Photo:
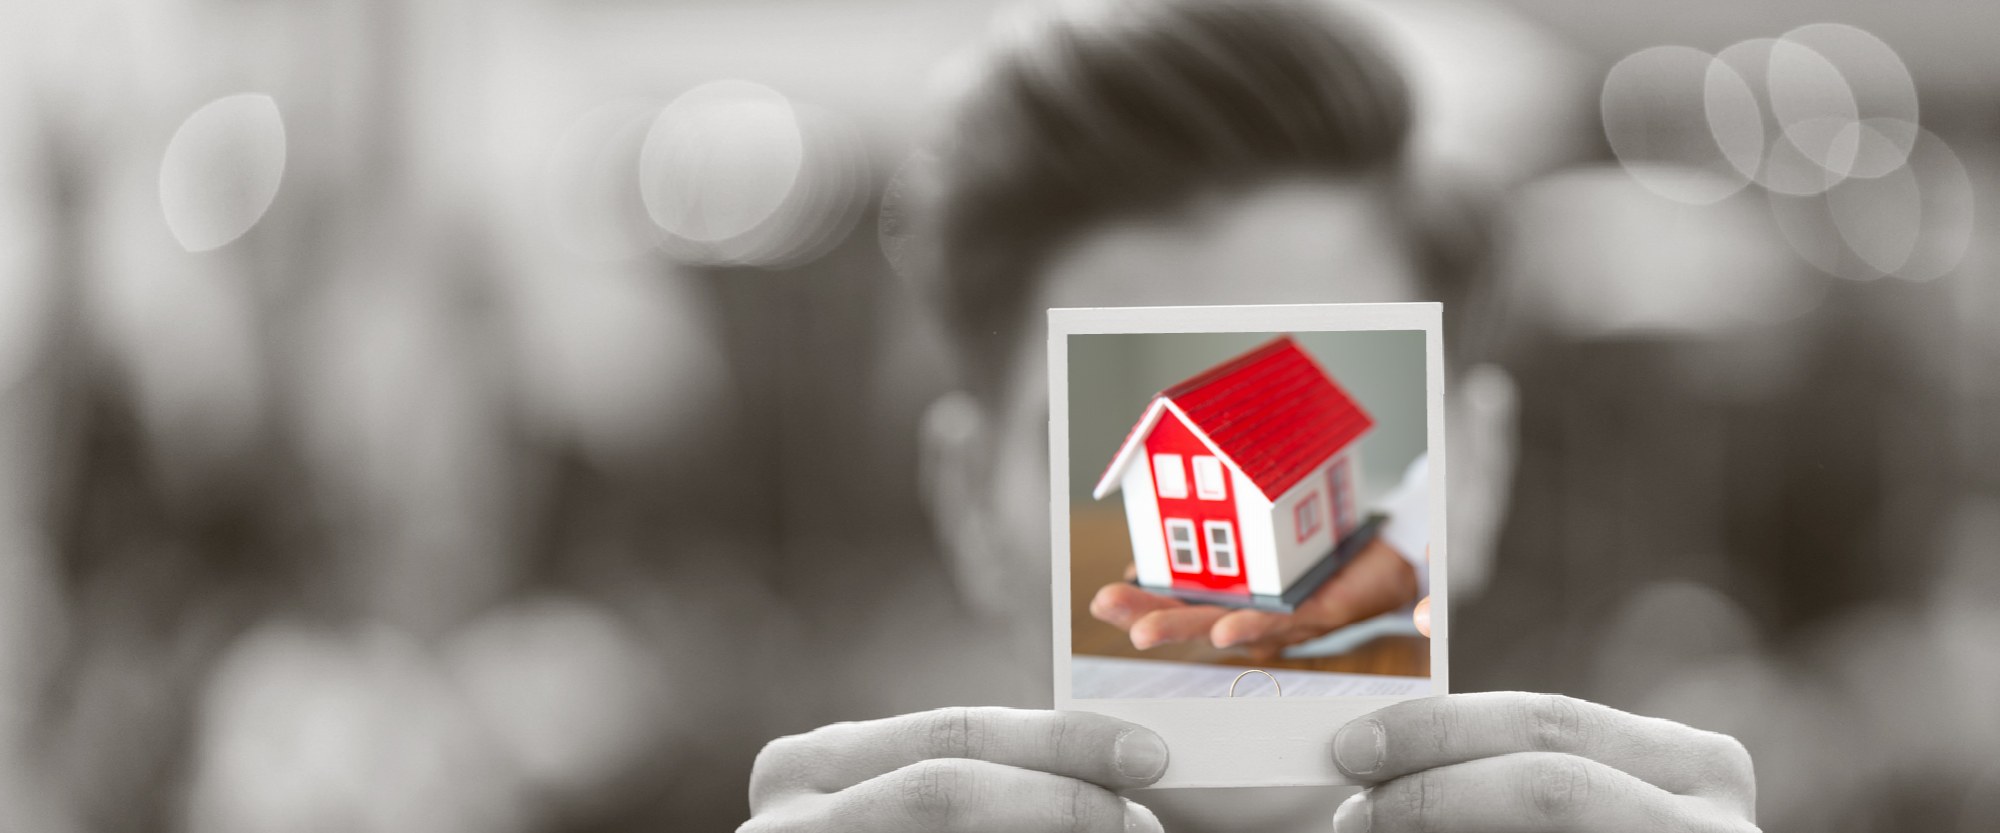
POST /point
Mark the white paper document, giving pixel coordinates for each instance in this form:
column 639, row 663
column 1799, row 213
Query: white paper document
column 1114, row 678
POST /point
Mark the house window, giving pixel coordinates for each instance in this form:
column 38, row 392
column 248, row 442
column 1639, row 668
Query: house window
column 1169, row 478
column 1180, row 541
column 1208, row 478
column 1305, row 516
column 1221, row 548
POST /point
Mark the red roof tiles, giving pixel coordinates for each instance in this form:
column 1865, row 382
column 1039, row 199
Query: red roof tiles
column 1273, row 412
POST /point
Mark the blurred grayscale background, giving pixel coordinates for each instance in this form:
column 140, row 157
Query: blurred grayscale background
column 440, row 416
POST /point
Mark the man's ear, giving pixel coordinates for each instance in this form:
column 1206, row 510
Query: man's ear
column 1484, row 444
column 953, row 483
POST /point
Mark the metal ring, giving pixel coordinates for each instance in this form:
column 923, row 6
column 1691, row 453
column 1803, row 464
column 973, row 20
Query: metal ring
column 1239, row 678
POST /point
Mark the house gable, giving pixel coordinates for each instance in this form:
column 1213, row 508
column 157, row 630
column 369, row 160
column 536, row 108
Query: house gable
column 1135, row 443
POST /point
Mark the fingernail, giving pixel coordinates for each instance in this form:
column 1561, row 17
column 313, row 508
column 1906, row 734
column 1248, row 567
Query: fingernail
column 1423, row 619
column 1138, row 819
column 1354, row 815
column 1139, row 754
column 1359, row 747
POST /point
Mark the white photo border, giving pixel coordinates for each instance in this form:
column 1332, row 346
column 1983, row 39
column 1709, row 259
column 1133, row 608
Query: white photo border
column 1262, row 741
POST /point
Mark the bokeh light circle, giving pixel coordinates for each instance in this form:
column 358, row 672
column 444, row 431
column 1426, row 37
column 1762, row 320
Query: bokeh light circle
column 1878, row 220
column 1734, row 116
column 735, row 174
column 1813, row 105
column 828, row 202
column 1949, row 211
column 1780, row 164
column 1915, row 222
column 221, row 170
column 719, row 160
column 1884, row 128
column 1659, row 116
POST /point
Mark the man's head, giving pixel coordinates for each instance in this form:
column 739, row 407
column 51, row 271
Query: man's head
column 1136, row 110
column 1145, row 152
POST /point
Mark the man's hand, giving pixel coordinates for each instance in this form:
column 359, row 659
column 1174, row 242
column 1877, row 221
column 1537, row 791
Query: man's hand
column 958, row 769
column 1377, row 581
column 1508, row 761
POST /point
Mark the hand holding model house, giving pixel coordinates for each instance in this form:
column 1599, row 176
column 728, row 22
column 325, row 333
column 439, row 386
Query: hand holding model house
column 1240, row 489
column 1377, row 581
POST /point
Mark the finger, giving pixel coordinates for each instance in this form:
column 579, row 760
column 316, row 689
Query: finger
column 1529, row 792
column 1122, row 604
column 1421, row 617
column 1179, row 624
column 1431, row 732
column 1239, row 627
column 945, row 795
column 1091, row 747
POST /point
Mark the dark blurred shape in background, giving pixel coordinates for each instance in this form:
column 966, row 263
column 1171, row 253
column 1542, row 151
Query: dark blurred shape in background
column 497, row 416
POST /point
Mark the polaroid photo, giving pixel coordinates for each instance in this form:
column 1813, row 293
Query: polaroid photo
column 1238, row 457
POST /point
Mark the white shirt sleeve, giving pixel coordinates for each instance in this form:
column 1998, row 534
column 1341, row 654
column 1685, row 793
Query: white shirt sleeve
column 1408, row 529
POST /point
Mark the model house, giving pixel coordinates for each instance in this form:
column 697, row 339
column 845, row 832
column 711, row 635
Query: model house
column 1240, row 482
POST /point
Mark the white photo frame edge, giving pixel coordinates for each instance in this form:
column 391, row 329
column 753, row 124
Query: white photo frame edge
column 1252, row 741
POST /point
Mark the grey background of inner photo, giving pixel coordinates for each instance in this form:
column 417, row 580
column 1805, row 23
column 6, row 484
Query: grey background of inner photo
column 1112, row 378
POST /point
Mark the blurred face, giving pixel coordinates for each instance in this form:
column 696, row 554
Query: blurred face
column 1297, row 241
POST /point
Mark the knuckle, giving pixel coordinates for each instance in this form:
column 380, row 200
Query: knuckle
column 948, row 733
column 932, row 792
column 1069, row 810
column 1430, row 803
column 1557, row 788
column 1416, row 802
column 1444, row 727
column 1556, row 724
column 1061, row 738
column 1080, row 808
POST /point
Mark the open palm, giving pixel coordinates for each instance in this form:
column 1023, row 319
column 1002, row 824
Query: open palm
column 1377, row 581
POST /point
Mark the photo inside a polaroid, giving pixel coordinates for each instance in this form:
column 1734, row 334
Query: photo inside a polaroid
column 1242, row 471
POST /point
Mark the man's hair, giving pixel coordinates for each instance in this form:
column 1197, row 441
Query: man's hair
column 1133, row 108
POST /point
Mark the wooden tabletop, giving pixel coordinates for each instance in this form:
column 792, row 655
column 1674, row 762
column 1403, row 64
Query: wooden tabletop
column 1100, row 550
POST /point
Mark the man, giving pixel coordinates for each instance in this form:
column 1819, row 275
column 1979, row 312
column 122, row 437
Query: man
column 1177, row 152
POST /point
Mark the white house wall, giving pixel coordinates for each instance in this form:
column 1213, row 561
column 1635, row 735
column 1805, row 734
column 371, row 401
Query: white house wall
column 1142, row 515
column 1253, row 529
column 1295, row 557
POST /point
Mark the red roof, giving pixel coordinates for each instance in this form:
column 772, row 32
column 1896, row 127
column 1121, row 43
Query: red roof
column 1273, row 411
